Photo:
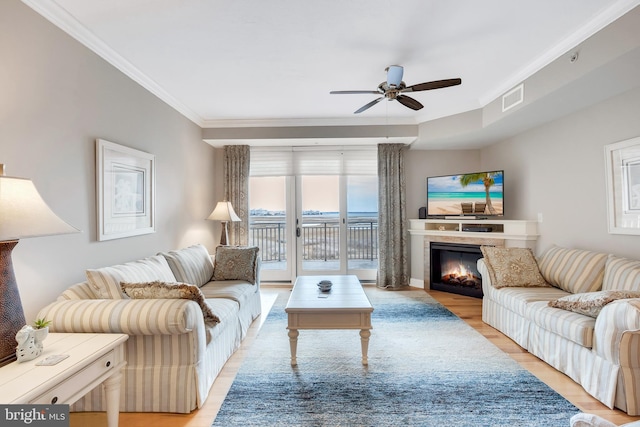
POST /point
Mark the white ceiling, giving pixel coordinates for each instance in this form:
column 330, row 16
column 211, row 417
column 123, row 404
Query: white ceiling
column 226, row 63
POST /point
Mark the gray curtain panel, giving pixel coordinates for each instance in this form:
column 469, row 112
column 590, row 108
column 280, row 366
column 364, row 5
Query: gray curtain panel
column 393, row 267
column 236, row 185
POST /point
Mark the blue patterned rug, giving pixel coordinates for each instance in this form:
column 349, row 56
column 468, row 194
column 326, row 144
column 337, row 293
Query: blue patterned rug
column 426, row 368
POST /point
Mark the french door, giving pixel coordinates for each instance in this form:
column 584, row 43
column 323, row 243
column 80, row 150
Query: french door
column 320, row 225
column 315, row 225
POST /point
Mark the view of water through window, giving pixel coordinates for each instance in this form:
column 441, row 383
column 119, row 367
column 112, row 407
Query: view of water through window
column 320, row 227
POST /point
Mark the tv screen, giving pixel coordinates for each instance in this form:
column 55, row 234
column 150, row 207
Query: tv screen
column 477, row 194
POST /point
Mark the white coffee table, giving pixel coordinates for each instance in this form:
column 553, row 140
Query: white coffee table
column 346, row 306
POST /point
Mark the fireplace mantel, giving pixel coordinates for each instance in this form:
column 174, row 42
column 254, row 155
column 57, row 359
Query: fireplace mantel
column 503, row 233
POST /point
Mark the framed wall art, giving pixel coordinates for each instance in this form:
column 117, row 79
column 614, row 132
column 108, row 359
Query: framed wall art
column 125, row 191
column 622, row 166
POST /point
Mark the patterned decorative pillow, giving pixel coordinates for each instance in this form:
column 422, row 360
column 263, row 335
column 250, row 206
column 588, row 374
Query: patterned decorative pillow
column 512, row 267
column 162, row 290
column 573, row 270
column 190, row 265
column 236, row 263
column 590, row 303
column 106, row 281
column 621, row 274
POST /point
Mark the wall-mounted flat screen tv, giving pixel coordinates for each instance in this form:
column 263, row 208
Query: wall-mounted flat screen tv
column 479, row 194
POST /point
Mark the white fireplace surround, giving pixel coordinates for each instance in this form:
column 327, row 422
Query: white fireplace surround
column 502, row 233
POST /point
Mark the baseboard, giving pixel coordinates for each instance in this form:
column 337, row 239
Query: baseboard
column 416, row 283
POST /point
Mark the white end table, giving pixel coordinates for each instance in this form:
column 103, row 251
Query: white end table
column 93, row 359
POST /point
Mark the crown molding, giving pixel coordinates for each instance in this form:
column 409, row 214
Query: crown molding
column 613, row 12
column 62, row 19
column 346, row 121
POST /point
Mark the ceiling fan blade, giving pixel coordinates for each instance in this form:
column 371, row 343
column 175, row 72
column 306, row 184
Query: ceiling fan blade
column 409, row 102
column 369, row 105
column 437, row 84
column 343, row 92
column 394, row 75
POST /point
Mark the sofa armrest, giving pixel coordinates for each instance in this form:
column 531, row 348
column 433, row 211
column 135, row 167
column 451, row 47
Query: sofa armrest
column 132, row 317
column 484, row 273
column 257, row 271
column 589, row 420
column 617, row 332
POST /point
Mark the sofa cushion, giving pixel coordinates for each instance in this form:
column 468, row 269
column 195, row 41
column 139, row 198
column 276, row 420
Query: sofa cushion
column 567, row 324
column 512, row 267
column 228, row 312
column 162, row 290
column 190, row 265
column 590, row 303
column 574, row 270
column 516, row 299
column 236, row 263
column 621, row 274
column 106, row 281
column 236, row 290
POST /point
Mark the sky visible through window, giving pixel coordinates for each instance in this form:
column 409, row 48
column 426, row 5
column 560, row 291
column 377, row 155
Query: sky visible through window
column 320, row 193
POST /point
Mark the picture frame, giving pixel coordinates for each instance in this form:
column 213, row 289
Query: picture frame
column 622, row 167
column 125, row 181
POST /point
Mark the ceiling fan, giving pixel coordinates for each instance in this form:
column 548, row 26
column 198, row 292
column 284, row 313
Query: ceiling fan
column 394, row 88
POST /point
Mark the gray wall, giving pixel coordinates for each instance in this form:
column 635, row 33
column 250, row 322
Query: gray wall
column 420, row 164
column 557, row 169
column 57, row 98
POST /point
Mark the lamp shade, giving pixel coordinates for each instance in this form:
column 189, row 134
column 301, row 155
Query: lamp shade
column 23, row 213
column 224, row 212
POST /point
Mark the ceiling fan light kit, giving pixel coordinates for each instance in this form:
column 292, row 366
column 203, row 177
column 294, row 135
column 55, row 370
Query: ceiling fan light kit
column 394, row 75
column 393, row 88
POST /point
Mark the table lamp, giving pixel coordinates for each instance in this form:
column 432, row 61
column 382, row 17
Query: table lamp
column 23, row 213
column 224, row 212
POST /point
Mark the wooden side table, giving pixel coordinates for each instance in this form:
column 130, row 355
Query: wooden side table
column 93, row 359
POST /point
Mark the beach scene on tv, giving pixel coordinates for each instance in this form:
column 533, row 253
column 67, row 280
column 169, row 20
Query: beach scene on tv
column 466, row 194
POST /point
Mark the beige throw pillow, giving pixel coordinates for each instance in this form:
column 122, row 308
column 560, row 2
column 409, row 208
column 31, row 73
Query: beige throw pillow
column 162, row 290
column 590, row 303
column 236, row 263
column 512, row 267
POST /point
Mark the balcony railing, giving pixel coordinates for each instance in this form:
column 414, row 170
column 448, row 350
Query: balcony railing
column 320, row 239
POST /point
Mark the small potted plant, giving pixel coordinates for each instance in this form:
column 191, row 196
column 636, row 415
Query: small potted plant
column 41, row 329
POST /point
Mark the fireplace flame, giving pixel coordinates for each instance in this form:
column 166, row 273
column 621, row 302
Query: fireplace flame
column 460, row 271
column 459, row 274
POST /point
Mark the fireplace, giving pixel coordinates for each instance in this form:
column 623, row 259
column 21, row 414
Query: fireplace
column 453, row 268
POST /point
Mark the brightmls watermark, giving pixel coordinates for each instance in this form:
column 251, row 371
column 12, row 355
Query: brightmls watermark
column 34, row 415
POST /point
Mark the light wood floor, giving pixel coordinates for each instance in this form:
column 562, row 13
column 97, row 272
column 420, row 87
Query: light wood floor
column 467, row 308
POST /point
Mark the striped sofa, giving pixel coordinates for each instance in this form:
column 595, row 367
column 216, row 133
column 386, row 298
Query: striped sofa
column 601, row 353
column 172, row 357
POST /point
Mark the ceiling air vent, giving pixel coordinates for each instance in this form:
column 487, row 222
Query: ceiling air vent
column 512, row 98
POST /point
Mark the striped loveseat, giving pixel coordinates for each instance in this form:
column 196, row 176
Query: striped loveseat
column 178, row 340
column 594, row 338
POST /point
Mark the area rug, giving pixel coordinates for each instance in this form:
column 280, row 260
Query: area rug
column 426, row 367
